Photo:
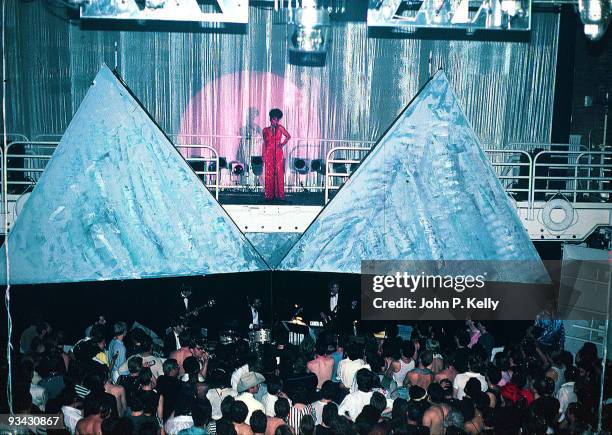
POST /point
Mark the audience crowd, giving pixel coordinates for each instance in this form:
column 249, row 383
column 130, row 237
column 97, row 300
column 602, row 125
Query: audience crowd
column 120, row 380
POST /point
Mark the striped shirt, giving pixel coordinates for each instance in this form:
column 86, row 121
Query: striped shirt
column 296, row 413
column 81, row 391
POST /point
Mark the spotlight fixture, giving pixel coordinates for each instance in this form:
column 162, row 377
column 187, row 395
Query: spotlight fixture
column 309, row 35
column 212, row 166
column 318, row 166
column 300, row 165
column 595, row 15
column 257, row 165
column 237, row 168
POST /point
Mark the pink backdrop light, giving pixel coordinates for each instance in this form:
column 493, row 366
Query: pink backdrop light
column 237, row 104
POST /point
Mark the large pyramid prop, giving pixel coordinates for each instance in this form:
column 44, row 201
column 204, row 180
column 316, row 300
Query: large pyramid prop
column 117, row 201
column 272, row 246
column 425, row 192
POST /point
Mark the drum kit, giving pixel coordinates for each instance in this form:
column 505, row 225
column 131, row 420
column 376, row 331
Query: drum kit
column 260, row 336
column 256, row 337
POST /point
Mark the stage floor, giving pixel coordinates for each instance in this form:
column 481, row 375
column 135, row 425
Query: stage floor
column 237, row 197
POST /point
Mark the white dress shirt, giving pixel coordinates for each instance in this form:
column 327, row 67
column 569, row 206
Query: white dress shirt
column 176, row 424
column 216, row 396
column 268, row 401
column 254, row 318
column 177, row 341
column 333, row 303
column 39, row 396
column 353, row 404
column 462, row 378
column 251, row 402
column 318, row 410
column 347, row 369
column 565, row 396
column 71, row 418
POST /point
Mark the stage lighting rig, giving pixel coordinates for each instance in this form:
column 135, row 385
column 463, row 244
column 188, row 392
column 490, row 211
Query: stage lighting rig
column 257, row 165
column 141, row 11
column 595, row 15
column 318, row 166
column 300, row 165
column 309, row 33
column 237, row 168
column 467, row 15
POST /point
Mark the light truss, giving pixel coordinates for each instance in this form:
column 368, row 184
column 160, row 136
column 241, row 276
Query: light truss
column 469, row 15
column 229, row 11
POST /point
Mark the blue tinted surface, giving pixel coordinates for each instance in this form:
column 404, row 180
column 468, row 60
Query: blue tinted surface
column 272, row 246
column 117, row 201
column 425, row 192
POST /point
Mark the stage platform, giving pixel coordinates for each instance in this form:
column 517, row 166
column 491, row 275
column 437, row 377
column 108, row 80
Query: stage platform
column 253, row 197
column 294, row 217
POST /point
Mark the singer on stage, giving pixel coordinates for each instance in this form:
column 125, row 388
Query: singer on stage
column 274, row 161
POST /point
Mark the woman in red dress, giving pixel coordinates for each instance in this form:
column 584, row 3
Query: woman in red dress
column 275, row 137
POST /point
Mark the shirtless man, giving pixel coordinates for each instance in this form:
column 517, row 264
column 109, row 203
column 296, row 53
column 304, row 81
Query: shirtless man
column 437, row 412
column 448, row 372
column 119, row 392
column 238, row 414
column 95, row 412
column 422, row 375
column 281, row 409
column 194, row 348
column 322, row 365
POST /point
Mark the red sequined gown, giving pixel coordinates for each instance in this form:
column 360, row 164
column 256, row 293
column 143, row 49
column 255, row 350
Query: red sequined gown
column 274, row 164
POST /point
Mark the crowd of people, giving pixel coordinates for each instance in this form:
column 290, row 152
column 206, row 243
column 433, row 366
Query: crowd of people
column 437, row 380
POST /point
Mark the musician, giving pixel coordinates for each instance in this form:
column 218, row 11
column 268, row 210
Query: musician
column 339, row 308
column 184, row 307
column 172, row 339
column 182, row 303
column 254, row 314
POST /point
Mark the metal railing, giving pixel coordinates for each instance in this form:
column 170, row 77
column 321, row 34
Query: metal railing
column 312, row 149
column 209, row 174
column 510, row 167
column 579, row 175
column 36, row 154
column 16, row 136
column 587, row 177
column 246, row 147
column 54, row 137
column 334, row 163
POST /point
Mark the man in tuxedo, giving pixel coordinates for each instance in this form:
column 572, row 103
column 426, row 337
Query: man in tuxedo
column 340, row 309
column 172, row 340
column 182, row 305
column 253, row 314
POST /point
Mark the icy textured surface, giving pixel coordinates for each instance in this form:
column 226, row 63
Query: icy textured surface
column 272, row 246
column 117, row 201
column 425, row 192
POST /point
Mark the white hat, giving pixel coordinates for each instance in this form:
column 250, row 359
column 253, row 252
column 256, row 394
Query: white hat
column 248, row 380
